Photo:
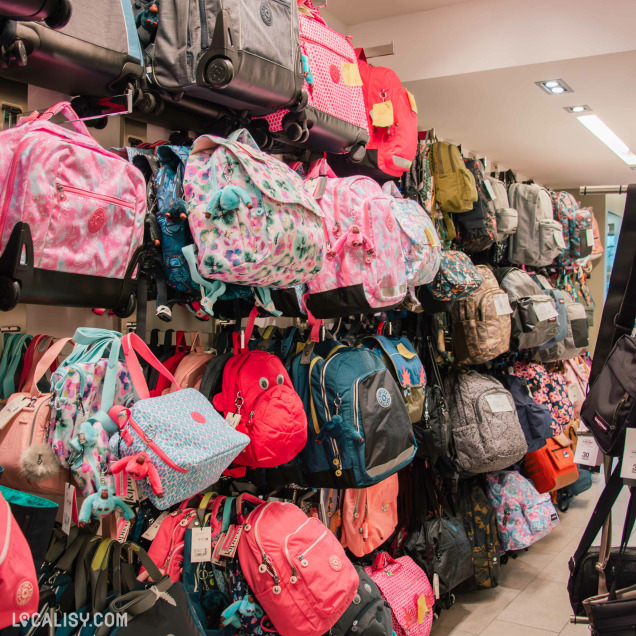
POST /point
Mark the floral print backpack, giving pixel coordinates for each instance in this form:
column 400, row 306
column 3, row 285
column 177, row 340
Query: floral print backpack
column 252, row 221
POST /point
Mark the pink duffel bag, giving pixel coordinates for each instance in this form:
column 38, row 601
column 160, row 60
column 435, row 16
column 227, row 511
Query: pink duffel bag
column 85, row 206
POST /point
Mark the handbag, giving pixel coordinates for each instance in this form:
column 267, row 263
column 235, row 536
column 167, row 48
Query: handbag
column 609, row 407
column 614, row 613
column 594, row 571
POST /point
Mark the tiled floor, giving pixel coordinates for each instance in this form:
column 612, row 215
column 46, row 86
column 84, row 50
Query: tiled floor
column 532, row 598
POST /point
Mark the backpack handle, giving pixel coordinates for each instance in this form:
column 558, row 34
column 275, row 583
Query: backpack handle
column 133, row 345
column 382, row 560
column 320, row 168
column 246, row 497
column 47, row 360
column 65, row 108
column 243, row 347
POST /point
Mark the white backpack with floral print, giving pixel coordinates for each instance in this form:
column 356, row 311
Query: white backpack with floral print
column 252, row 221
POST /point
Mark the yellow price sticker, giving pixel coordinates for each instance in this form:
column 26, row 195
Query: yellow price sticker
column 432, row 238
column 412, row 100
column 382, row 114
column 350, row 74
column 422, row 609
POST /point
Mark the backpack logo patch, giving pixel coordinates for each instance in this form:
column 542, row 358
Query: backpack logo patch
column 266, row 13
column 334, row 71
column 96, row 220
column 24, row 593
column 335, row 563
column 383, row 397
column 600, row 422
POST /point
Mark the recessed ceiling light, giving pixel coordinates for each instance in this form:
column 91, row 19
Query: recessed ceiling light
column 578, row 109
column 603, row 132
column 554, row 87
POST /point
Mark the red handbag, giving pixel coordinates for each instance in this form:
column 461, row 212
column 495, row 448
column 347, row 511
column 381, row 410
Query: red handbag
column 551, row 467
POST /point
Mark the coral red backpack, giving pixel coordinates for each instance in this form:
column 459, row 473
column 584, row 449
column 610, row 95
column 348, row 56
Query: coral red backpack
column 391, row 148
column 258, row 398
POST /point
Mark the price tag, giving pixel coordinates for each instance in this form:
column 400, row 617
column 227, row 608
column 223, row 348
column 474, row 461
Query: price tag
column 201, row 548
column 432, row 237
column 70, row 508
column 422, row 609
column 558, row 239
column 412, row 101
column 545, row 311
column 436, row 585
column 151, row 533
column 233, row 419
column 499, row 403
column 502, row 304
column 491, row 192
column 316, row 187
column 587, row 452
column 575, row 393
column 589, row 235
column 382, row 114
column 12, row 409
column 628, row 470
column 350, row 74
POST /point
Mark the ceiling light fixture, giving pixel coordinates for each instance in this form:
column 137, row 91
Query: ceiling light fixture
column 554, row 87
column 578, row 109
column 601, row 131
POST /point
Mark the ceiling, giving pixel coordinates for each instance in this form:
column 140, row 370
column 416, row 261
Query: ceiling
column 356, row 11
column 503, row 115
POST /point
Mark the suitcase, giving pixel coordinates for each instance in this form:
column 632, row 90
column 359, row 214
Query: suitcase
column 243, row 54
column 97, row 53
column 55, row 13
column 335, row 119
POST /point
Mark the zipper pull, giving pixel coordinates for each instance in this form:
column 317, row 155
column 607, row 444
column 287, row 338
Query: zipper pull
column 60, row 191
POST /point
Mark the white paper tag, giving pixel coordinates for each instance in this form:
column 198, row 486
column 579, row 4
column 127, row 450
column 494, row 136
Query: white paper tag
column 201, row 549
column 151, row 533
column 123, row 529
column 499, row 403
column 491, row 192
column 589, row 235
column 233, row 419
column 436, row 584
column 575, row 393
column 316, row 187
column 628, row 470
column 12, row 409
column 69, row 501
column 502, row 304
column 545, row 311
column 587, row 452
column 558, row 239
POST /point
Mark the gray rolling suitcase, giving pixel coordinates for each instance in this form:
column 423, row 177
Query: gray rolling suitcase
column 243, row 54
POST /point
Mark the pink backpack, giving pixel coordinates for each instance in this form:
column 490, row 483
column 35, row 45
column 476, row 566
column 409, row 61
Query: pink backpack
column 84, row 205
column 406, row 588
column 576, row 375
column 296, row 568
column 364, row 270
column 369, row 516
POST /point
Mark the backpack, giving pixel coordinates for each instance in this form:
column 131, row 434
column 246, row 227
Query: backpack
column 523, row 515
column 486, row 431
column 576, row 375
column 191, row 369
column 171, row 216
column 360, row 431
column 552, row 467
column 393, row 143
column 296, row 568
column 597, row 250
column 535, row 419
column 547, row 388
column 507, row 217
column 369, row 516
column 368, row 615
column 457, row 277
column 421, row 246
column 364, row 270
column 251, row 219
column 455, row 189
column 578, row 233
column 559, row 297
column 482, row 322
column 534, row 317
column 260, row 400
column 477, row 228
column 480, row 522
column 405, row 366
column 403, row 584
column 539, row 238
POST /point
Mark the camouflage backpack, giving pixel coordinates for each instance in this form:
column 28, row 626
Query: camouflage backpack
column 478, row 515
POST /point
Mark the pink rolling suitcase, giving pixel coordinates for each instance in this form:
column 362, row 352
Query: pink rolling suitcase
column 334, row 119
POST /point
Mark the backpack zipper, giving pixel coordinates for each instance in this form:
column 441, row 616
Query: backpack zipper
column 62, row 187
column 267, row 564
column 617, row 409
column 204, row 25
column 11, row 181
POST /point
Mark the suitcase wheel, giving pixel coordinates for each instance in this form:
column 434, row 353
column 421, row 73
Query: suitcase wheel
column 126, row 308
column 357, row 153
column 301, row 103
column 9, row 293
column 294, row 131
column 219, row 72
column 149, row 103
column 60, row 17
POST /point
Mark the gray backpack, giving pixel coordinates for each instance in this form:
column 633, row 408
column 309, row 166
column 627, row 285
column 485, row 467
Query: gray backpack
column 507, row 217
column 534, row 316
column 486, row 431
column 539, row 238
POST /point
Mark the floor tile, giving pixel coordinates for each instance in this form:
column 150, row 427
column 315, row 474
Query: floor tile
column 558, row 539
column 517, row 573
column 473, row 611
column 557, row 570
column 502, row 628
column 542, row 604
column 448, row 631
column 575, row 630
